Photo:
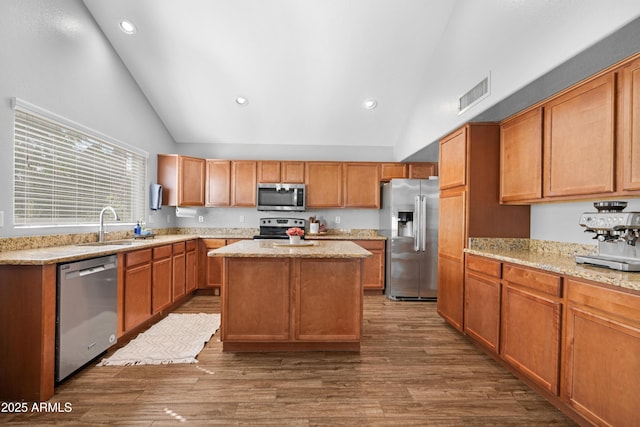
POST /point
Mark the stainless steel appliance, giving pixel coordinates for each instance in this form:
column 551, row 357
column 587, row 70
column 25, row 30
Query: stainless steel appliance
column 617, row 234
column 276, row 228
column 409, row 220
column 86, row 321
column 281, row 197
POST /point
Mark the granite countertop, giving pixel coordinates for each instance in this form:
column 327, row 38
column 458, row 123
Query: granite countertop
column 74, row 252
column 279, row 249
column 556, row 257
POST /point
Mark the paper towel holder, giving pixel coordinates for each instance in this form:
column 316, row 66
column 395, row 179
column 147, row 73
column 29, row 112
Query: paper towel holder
column 155, row 197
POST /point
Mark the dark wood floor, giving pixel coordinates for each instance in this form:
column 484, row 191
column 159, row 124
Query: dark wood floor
column 412, row 370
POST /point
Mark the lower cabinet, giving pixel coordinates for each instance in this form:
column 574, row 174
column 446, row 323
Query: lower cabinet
column 191, row 266
column 373, row 267
column 137, row 288
column 161, row 295
column 179, row 270
column 210, row 267
column 602, row 354
column 482, row 301
column 531, row 324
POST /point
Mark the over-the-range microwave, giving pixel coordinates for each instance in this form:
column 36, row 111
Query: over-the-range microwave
column 281, row 197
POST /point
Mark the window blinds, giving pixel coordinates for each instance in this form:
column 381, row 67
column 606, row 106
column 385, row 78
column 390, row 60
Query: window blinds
column 65, row 176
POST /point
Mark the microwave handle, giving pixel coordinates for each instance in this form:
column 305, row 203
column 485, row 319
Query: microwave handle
column 295, row 197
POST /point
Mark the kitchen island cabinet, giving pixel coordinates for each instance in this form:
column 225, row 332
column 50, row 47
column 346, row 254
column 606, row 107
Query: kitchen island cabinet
column 279, row 298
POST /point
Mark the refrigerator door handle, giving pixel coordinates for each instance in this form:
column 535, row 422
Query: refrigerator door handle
column 417, row 227
column 423, row 223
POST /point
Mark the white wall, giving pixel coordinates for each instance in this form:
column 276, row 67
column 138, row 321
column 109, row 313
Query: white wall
column 53, row 55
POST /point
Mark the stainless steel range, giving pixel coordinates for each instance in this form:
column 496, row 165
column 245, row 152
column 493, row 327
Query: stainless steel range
column 276, row 228
column 617, row 233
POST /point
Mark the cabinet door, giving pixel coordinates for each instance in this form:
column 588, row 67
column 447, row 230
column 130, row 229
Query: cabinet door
column 137, row 288
column 161, row 278
column 453, row 159
column 269, row 172
column 243, row 183
column 362, row 185
column 482, row 309
column 212, row 265
column 191, row 267
column 422, row 170
column 602, row 359
column 179, row 271
column 324, row 184
column 192, row 181
column 390, row 171
column 530, row 335
column 373, row 267
column 218, row 183
column 521, row 157
column 292, row 172
column 451, row 243
column 629, row 126
column 579, row 136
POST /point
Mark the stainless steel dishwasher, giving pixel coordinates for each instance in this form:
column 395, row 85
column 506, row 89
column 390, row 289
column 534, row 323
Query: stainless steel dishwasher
column 87, row 305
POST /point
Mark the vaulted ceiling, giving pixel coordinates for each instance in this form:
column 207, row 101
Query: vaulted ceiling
column 306, row 67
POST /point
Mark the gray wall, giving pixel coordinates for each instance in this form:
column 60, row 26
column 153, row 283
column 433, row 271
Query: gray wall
column 53, row 55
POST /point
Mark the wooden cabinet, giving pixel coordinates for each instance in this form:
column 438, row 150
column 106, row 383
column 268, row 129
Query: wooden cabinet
column 179, row 271
column 218, row 180
column 191, row 266
column 423, row 170
column 243, row 183
column 324, row 184
column 281, row 172
column 482, row 300
column 470, row 207
column 210, row 267
column 137, row 288
column 579, row 140
column 531, row 324
column 182, row 179
column 521, row 157
column 390, row 171
column 373, row 267
column 362, row 185
column 602, row 357
column 629, row 126
column 161, row 278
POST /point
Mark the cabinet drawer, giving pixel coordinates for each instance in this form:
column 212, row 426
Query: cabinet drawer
column 178, row 248
column 191, row 245
column 162, row 252
column 619, row 303
column 484, row 265
column 138, row 257
column 547, row 283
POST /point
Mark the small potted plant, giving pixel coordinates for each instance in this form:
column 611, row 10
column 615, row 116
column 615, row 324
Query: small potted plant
column 295, row 234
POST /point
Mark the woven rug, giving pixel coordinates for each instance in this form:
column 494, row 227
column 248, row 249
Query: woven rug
column 178, row 338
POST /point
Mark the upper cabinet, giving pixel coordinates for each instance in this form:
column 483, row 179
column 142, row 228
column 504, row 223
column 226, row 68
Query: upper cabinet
column 589, row 145
column 182, row 179
column 629, row 126
column 281, row 172
column 453, row 160
column 421, row 170
column 362, row 185
column 218, row 179
column 579, row 140
column 389, row 171
column 231, row 183
column 521, row 157
column 324, row 184
column 243, row 183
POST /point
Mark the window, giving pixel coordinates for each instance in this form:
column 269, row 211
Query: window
column 64, row 174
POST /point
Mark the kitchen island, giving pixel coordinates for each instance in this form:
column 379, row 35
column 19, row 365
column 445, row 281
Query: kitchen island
column 281, row 297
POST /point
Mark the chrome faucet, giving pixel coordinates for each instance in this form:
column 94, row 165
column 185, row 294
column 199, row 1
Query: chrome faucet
column 101, row 232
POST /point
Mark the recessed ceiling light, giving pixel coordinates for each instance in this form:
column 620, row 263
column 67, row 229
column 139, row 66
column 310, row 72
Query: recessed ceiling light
column 127, row 27
column 370, row 104
column 242, row 101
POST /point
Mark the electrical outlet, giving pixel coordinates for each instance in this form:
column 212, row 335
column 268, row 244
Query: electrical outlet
column 241, row 218
column 200, row 218
column 337, row 220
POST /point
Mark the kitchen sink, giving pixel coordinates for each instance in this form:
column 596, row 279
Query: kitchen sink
column 108, row 243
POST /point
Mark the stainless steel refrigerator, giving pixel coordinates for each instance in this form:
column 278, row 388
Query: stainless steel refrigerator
column 409, row 220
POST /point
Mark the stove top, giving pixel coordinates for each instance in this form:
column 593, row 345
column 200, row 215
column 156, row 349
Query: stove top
column 276, row 228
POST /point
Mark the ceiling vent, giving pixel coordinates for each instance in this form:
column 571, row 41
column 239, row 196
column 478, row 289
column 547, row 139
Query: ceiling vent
column 475, row 95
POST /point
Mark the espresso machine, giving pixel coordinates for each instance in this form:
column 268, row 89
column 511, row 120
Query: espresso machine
column 617, row 233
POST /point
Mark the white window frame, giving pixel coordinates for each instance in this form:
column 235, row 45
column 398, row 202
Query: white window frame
column 65, row 173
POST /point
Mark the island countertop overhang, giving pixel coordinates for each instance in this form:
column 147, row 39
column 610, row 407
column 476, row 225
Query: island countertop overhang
column 280, row 249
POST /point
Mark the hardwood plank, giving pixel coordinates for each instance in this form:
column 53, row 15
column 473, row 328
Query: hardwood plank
column 412, row 369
